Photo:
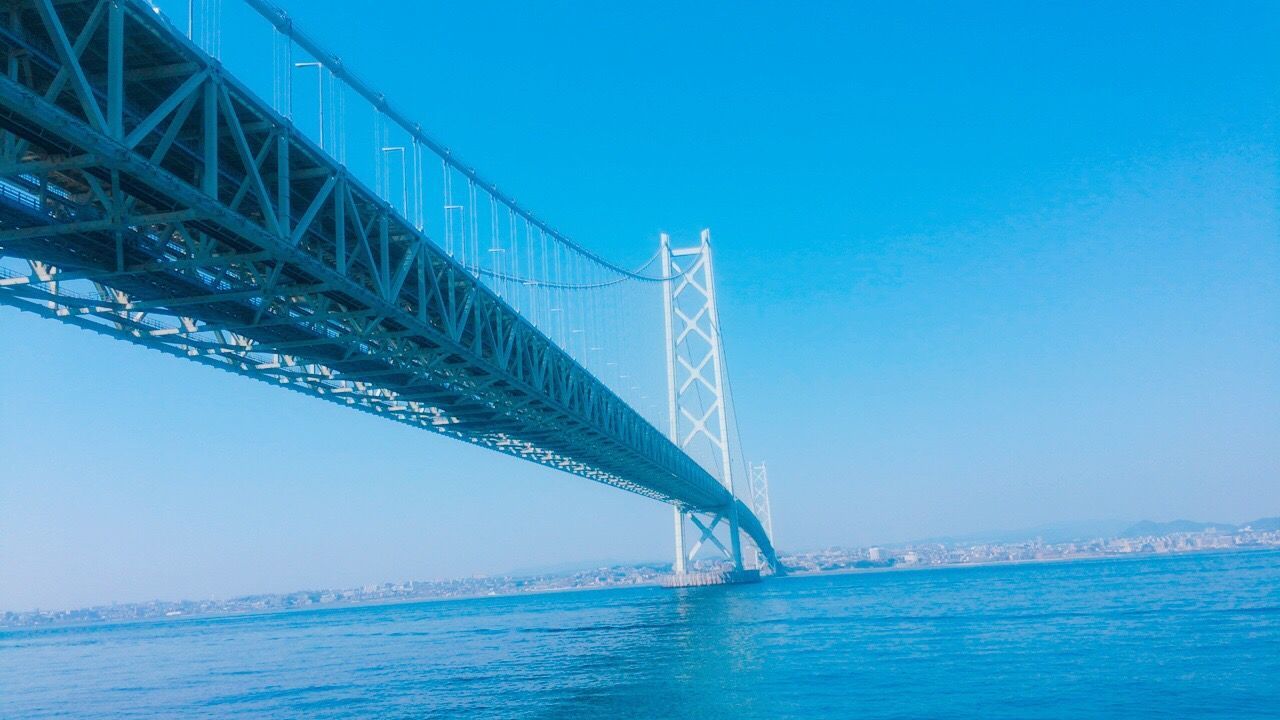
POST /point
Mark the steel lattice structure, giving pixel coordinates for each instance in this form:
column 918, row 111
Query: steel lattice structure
column 758, row 484
column 697, row 390
column 155, row 199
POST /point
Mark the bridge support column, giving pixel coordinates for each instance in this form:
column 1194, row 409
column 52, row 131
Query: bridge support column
column 706, row 525
column 735, row 538
column 681, row 552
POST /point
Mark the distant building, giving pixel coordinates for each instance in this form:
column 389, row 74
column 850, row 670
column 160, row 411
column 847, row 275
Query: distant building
column 874, row 554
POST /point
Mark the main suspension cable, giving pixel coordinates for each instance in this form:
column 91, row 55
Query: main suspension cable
column 285, row 25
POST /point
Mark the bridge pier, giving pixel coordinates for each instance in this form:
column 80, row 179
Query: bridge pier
column 681, row 576
column 703, row 579
column 679, row 565
column 735, row 537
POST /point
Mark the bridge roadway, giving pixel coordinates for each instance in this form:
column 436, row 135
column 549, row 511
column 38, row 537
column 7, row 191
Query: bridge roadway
column 157, row 200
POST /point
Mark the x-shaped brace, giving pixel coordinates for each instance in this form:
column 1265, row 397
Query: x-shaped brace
column 708, row 533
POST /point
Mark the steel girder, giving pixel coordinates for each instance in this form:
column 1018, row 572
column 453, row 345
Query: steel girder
column 153, row 198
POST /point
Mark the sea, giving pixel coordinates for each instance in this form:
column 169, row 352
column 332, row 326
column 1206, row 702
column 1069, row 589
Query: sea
column 1180, row 636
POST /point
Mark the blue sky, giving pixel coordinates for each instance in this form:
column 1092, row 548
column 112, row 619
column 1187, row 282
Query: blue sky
column 980, row 267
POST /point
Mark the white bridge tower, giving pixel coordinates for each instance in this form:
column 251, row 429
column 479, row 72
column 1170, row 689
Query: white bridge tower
column 698, row 394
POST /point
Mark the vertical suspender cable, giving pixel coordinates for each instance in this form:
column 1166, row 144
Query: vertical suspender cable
column 446, row 189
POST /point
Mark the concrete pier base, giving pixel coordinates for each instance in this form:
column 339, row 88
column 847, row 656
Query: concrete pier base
column 703, row 579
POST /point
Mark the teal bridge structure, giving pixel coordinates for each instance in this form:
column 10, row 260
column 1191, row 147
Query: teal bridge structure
column 149, row 194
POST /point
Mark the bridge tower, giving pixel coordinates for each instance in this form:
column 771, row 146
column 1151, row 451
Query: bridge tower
column 758, row 483
column 697, row 391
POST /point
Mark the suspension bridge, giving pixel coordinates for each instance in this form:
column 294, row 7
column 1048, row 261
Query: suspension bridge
column 150, row 191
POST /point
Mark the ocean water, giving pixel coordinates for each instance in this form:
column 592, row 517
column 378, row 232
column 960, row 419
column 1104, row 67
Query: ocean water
column 1168, row 637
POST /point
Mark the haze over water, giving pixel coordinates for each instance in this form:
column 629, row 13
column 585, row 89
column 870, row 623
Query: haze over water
column 1182, row 636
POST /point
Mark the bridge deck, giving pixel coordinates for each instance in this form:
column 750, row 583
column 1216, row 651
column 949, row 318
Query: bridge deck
column 159, row 201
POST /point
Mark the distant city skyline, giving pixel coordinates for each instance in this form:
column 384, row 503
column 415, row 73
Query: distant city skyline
column 1143, row 538
column 979, row 268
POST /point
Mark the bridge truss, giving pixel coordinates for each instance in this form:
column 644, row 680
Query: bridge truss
column 150, row 196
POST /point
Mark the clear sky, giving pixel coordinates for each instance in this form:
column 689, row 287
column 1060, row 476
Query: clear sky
column 981, row 267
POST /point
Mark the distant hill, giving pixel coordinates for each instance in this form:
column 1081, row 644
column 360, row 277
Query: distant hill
column 1264, row 524
column 1092, row 529
column 1148, row 527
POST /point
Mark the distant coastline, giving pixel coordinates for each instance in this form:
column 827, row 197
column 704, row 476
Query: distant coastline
column 1032, row 561
column 1180, row 538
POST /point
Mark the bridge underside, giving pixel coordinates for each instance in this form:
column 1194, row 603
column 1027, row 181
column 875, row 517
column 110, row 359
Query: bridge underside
column 153, row 198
